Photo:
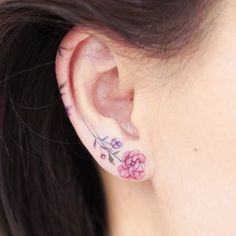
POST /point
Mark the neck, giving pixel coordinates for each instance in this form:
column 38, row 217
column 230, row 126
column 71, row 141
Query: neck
column 132, row 207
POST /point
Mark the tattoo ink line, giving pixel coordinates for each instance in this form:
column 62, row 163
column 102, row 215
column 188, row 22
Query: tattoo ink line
column 62, row 85
column 68, row 110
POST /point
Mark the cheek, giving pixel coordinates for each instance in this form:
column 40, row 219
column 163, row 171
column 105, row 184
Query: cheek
column 196, row 152
column 202, row 117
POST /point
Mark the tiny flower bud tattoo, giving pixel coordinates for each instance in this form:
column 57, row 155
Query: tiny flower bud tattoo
column 131, row 164
column 103, row 156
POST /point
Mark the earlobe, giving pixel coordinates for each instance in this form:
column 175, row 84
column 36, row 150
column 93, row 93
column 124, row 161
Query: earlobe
column 99, row 110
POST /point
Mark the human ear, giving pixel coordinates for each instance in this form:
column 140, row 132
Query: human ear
column 99, row 109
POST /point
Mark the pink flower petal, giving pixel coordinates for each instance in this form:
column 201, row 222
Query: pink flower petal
column 140, row 168
column 131, row 169
column 133, row 153
column 125, row 155
column 141, row 175
column 124, row 174
column 141, row 157
column 136, row 165
column 131, row 172
column 136, row 174
column 121, row 168
column 128, row 162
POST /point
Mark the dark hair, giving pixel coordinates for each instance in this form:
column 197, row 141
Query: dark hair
column 46, row 185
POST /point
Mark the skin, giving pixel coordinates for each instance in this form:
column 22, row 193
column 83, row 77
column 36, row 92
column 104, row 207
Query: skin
column 184, row 113
column 190, row 121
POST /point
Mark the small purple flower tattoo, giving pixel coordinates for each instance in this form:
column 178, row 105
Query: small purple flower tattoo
column 116, row 144
column 131, row 163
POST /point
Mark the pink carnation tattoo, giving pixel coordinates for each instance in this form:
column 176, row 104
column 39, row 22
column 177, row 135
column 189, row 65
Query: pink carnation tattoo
column 132, row 167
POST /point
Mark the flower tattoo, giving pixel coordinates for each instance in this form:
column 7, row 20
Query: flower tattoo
column 131, row 163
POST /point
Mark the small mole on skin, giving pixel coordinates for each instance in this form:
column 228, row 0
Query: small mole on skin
column 195, row 149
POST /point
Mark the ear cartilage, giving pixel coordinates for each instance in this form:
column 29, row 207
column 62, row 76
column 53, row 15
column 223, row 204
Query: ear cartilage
column 131, row 164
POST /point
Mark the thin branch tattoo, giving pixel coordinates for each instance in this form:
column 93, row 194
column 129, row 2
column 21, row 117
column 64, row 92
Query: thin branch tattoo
column 67, row 108
column 107, row 148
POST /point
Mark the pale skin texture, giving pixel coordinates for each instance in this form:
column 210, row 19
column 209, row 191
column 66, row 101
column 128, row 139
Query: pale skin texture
column 189, row 134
